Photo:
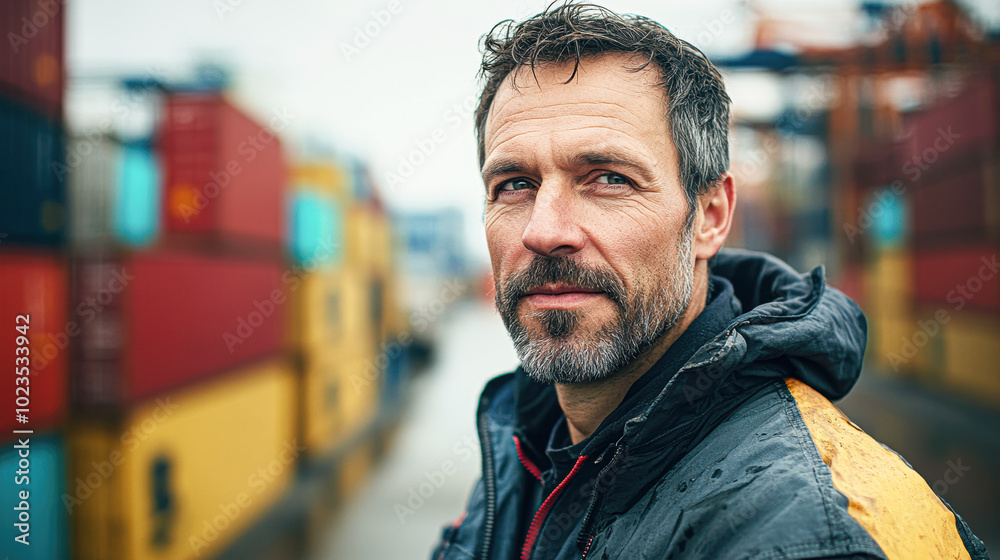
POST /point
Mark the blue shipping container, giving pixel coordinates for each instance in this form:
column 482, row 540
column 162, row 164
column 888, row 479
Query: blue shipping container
column 32, row 177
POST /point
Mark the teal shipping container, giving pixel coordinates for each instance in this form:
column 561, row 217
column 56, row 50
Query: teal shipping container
column 40, row 518
column 114, row 192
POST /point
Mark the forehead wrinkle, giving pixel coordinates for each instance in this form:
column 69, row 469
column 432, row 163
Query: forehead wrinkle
column 505, row 127
column 563, row 107
column 632, row 144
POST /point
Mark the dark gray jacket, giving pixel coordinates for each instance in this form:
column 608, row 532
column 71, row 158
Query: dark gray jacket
column 740, row 455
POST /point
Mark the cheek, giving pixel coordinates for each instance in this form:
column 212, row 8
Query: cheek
column 503, row 239
column 639, row 240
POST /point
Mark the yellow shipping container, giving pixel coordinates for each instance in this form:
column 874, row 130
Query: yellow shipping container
column 185, row 474
column 359, row 241
column 898, row 349
column 888, row 286
column 354, row 470
column 972, row 352
column 322, row 392
column 326, row 176
column 316, row 311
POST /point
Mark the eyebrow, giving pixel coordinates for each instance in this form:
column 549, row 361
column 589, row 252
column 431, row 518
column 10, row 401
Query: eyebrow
column 611, row 157
column 501, row 167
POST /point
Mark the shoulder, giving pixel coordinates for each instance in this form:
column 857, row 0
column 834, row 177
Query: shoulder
column 788, row 475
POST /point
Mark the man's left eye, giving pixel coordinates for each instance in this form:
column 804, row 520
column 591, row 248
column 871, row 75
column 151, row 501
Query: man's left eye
column 612, row 179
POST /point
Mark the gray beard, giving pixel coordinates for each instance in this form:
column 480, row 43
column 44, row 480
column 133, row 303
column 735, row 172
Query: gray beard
column 568, row 355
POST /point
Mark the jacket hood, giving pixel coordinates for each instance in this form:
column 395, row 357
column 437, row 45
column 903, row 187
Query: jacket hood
column 792, row 316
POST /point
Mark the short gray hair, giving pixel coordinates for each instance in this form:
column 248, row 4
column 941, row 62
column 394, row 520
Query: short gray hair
column 697, row 103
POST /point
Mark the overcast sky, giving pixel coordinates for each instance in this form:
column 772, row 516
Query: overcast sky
column 379, row 84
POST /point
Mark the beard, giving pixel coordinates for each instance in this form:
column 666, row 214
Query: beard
column 564, row 352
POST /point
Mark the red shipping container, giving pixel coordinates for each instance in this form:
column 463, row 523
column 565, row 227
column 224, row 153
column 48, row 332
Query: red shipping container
column 958, row 277
column 225, row 174
column 153, row 322
column 950, row 128
column 953, row 208
column 31, row 62
column 36, row 285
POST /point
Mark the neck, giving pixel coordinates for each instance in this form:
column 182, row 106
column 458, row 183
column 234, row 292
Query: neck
column 586, row 405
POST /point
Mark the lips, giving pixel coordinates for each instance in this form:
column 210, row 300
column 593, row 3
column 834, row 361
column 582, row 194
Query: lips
column 560, row 289
column 560, row 296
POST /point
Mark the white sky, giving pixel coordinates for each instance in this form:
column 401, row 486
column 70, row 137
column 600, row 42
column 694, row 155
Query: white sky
column 412, row 78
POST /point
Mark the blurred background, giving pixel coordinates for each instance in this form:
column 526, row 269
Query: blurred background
column 241, row 245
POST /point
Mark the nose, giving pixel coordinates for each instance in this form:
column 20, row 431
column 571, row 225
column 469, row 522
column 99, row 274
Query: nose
column 554, row 228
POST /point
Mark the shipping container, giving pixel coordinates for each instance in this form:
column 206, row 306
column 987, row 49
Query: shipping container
column 317, row 311
column 972, row 353
column 354, row 470
column 34, row 173
column 114, row 192
column 888, row 281
column 316, row 233
column 962, row 277
column 363, row 372
column 34, row 302
column 958, row 208
column 225, row 174
column 154, row 321
column 329, row 177
column 183, row 475
column 31, row 64
column 952, row 127
column 323, row 390
column 44, row 532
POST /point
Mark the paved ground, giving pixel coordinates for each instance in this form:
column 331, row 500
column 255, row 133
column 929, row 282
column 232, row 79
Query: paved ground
column 424, row 480
column 953, row 444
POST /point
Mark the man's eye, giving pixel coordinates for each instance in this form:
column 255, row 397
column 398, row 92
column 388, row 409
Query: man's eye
column 612, row 179
column 515, row 185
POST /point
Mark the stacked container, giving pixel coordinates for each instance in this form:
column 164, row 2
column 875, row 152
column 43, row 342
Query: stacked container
column 184, row 398
column 956, row 233
column 33, row 280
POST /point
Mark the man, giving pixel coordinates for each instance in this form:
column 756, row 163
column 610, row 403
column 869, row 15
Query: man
column 672, row 399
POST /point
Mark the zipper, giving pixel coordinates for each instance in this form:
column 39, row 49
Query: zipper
column 490, row 485
column 530, row 466
column 583, row 540
column 543, row 512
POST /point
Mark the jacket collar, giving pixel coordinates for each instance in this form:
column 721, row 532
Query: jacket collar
column 788, row 324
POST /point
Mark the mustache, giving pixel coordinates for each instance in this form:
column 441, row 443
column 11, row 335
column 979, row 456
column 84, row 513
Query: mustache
column 559, row 270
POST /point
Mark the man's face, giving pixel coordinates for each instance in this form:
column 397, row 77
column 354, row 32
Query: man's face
column 586, row 218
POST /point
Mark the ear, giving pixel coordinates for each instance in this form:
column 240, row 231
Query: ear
column 715, row 216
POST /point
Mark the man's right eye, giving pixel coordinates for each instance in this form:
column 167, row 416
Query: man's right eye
column 514, row 185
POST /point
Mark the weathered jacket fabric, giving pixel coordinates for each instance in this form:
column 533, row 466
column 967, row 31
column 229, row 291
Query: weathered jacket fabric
column 739, row 454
